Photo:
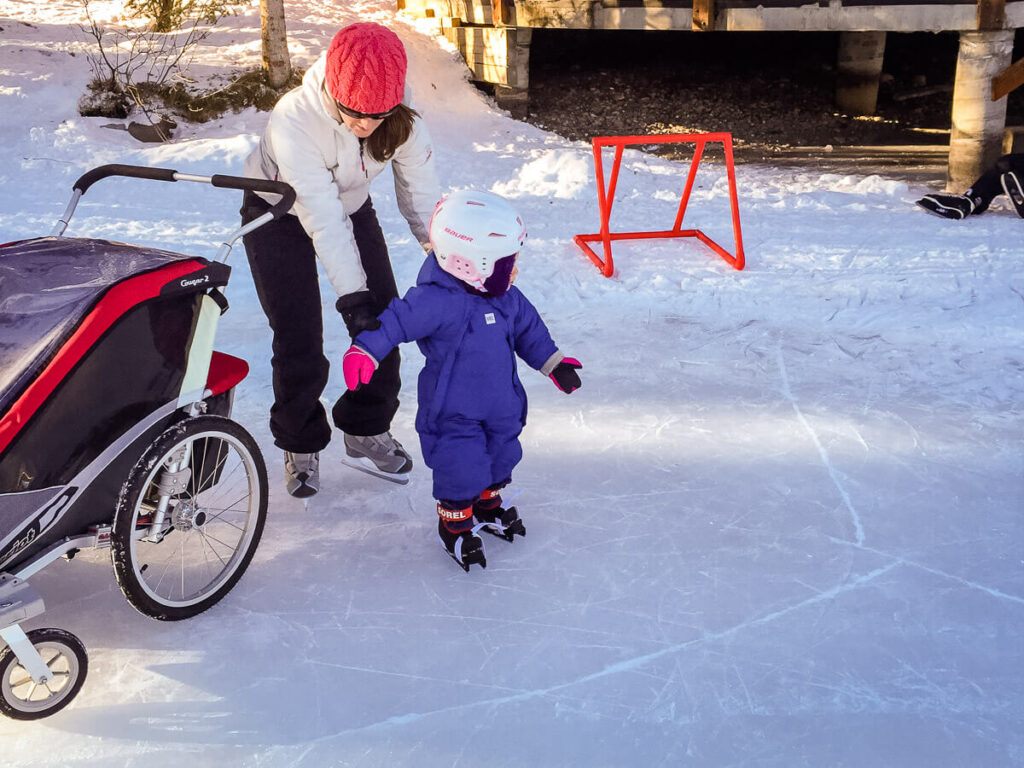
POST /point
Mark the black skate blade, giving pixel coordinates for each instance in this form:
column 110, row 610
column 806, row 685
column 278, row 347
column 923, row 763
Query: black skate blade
column 507, row 531
column 476, row 557
column 495, row 529
column 516, row 526
column 508, row 534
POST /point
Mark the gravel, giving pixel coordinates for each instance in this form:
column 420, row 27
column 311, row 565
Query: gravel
column 772, row 91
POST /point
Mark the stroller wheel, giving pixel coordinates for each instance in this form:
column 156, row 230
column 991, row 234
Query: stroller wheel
column 189, row 518
column 21, row 697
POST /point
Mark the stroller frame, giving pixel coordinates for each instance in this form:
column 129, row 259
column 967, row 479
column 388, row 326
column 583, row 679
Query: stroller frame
column 174, row 453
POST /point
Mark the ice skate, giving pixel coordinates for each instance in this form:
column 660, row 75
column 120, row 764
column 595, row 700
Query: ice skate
column 495, row 519
column 465, row 547
column 1013, row 189
column 948, row 206
column 302, row 474
column 378, row 455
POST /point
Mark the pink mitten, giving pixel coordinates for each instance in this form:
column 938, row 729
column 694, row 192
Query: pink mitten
column 358, row 367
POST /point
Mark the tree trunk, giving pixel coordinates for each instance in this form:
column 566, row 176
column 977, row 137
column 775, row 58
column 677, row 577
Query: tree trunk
column 276, row 61
column 164, row 19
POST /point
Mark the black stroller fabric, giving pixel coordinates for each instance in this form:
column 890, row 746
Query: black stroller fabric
column 47, row 286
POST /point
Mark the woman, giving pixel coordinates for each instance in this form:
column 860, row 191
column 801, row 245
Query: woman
column 329, row 138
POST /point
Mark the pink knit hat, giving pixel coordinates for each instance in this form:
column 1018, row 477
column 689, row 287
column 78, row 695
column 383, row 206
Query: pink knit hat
column 366, row 68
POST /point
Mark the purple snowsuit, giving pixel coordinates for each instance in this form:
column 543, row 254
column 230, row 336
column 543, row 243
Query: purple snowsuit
column 472, row 406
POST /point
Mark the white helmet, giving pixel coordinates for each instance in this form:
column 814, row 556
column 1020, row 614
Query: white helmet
column 470, row 231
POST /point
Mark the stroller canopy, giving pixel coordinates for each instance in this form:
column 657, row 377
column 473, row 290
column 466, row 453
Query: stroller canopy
column 47, row 285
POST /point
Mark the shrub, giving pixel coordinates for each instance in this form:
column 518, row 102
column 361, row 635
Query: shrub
column 141, row 61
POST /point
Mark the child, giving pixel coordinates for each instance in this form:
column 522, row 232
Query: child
column 1007, row 175
column 470, row 323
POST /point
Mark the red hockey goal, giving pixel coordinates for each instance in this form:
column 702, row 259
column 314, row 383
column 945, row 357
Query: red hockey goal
column 606, row 195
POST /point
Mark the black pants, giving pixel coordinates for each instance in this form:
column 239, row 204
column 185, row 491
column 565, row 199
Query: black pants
column 990, row 185
column 284, row 269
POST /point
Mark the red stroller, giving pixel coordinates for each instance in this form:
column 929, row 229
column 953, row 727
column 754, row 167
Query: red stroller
column 115, row 431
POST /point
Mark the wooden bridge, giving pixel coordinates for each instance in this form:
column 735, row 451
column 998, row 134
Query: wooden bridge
column 494, row 38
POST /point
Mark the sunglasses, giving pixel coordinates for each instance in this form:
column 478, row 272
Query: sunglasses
column 364, row 115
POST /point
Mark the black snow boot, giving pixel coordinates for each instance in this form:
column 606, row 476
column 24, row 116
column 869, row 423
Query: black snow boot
column 459, row 536
column 948, row 206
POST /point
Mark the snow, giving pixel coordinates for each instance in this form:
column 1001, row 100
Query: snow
column 779, row 525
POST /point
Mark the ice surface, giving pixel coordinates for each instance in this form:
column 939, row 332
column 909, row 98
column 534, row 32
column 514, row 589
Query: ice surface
column 779, row 525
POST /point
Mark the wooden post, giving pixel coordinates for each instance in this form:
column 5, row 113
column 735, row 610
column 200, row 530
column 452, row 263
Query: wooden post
column 703, row 15
column 976, row 138
column 859, row 68
column 991, row 14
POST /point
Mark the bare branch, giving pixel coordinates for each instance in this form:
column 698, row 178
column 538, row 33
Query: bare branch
column 151, row 54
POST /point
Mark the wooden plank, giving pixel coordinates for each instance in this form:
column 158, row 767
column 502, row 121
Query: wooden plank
column 502, row 12
column 499, row 55
column 572, row 14
column 728, row 15
column 472, row 11
column 1010, row 78
column 663, row 19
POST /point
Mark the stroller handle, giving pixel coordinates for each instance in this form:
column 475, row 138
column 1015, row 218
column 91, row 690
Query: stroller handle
column 279, row 209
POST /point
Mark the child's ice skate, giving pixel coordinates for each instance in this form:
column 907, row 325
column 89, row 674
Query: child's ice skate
column 459, row 537
column 495, row 519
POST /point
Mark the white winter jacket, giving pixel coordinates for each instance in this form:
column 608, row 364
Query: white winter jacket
column 307, row 145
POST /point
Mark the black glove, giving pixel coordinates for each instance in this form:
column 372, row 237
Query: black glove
column 357, row 311
column 565, row 377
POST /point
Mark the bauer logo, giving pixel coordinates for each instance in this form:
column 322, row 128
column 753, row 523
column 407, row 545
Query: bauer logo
column 458, row 235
